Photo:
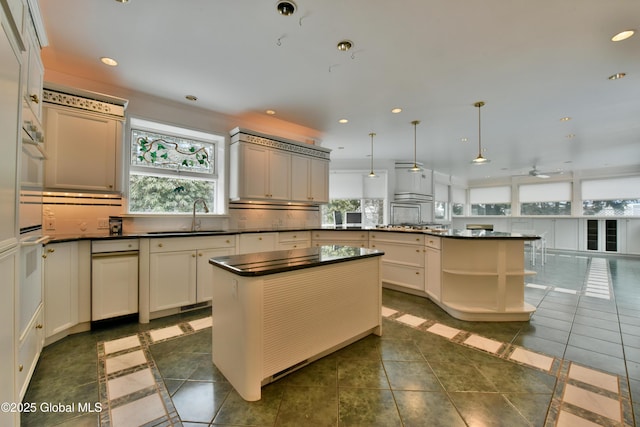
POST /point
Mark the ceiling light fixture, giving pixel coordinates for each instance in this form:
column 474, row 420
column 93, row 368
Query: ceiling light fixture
column 480, row 160
column 623, row 35
column 415, row 167
column 565, row 119
column 286, row 7
column 122, row 1
column 271, row 112
column 396, row 110
column 372, row 174
column 343, row 121
column 617, row 76
column 109, row 61
column 345, row 45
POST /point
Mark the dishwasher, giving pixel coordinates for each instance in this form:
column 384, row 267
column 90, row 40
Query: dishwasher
column 114, row 278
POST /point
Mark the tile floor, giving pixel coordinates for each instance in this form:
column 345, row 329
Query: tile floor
column 576, row 363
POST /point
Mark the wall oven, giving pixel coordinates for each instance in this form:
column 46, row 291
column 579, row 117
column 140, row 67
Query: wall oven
column 31, row 181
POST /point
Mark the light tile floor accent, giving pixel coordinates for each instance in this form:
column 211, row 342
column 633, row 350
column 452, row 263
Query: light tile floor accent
column 595, row 378
column 486, row 344
column 121, row 344
column 532, row 358
column 443, row 330
column 411, row 320
column 165, row 333
column 386, row 312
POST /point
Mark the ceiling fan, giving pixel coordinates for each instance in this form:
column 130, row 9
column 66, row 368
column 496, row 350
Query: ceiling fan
column 542, row 175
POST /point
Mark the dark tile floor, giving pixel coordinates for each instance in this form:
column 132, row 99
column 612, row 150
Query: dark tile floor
column 407, row 377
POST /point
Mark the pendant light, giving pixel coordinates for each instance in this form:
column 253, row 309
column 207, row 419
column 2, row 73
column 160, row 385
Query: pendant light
column 415, row 167
column 480, row 160
column 372, row 174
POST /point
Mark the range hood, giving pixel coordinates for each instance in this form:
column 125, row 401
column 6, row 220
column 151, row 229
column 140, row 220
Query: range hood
column 413, row 187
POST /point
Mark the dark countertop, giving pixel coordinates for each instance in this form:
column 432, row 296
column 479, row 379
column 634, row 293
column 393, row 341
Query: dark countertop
column 264, row 263
column 455, row 234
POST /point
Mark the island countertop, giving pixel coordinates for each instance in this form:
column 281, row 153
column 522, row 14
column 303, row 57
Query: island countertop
column 264, row 263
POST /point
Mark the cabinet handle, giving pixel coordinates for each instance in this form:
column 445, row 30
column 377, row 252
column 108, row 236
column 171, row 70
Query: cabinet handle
column 373, row 246
column 130, row 245
column 431, row 242
column 20, row 368
column 193, row 255
column 39, row 326
column 44, row 256
column 199, row 253
column 110, row 186
column 259, row 238
column 417, row 272
column 228, row 241
column 417, row 239
column 51, row 250
column 159, row 245
column 34, row 98
column 417, row 250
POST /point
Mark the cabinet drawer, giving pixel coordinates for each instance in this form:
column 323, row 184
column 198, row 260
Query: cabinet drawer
column 336, row 235
column 410, row 277
column 294, row 236
column 433, row 242
column 402, row 254
column 118, row 245
column 190, row 243
column 28, row 352
column 407, row 237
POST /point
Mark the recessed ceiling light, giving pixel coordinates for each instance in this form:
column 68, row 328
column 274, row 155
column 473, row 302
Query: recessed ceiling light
column 623, row 35
column 286, row 7
column 617, row 76
column 109, row 61
column 396, row 110
column 571, row 135
column 343, row 121
column 122, row 1
column 270, row 112
column 565, row 119
column 344, row 45
column 191, row 97
column 464, row 139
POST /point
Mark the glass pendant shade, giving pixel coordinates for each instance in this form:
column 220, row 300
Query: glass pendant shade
column 372, row 174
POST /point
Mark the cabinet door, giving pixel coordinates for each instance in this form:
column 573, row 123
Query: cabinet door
column 433, row 273
column 253, row 172
column 8, row 367
column 279, row 175
column 257, row 242
column 114, row 286
column 319, row 181
column 204, row 289
column 33, row 75
column 82, row 150
column 60, row 287
column 172, row 279
column 300, row 173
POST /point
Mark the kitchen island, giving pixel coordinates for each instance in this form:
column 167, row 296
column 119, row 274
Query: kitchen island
column 274, row 312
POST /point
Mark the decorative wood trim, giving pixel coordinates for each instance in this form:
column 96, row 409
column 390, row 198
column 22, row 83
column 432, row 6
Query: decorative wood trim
column 79, row 102
column 290, row 146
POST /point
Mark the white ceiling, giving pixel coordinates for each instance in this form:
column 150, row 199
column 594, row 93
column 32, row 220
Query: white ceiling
column 532, row 62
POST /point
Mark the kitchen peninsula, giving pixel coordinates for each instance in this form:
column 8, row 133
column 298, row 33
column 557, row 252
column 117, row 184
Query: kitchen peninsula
column 276, row 311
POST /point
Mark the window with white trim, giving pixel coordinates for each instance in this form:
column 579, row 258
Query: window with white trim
column 171, row 167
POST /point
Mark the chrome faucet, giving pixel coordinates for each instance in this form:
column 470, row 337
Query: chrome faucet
column 206, row 210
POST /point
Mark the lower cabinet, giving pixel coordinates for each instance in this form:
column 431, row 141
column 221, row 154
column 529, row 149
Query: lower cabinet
column 359, row 239
column 67, row 288
column 29, row 349
column 294, row 240
column 8, row 367
column 403, row 260
column 433, row 286
column 179, row 270
column 257, row 242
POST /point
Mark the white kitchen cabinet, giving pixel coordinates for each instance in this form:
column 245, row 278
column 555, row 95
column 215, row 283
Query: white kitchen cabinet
column 83, row 149
column 61, row 286
column 179, row 273
column 257, row 242
column 172, row 278
column 310, row 178
column 114, row 279
column 29, row 349
column 403, row 260
column 32, row 72
column 294, row 240
column 433, row 267
column 354, row 238
column 8, row 367
column 263, row 173
column 204, row 271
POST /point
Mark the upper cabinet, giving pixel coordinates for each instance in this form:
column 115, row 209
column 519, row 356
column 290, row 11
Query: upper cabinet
column 264, row 168
column 84, row 142
column 32, row 75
